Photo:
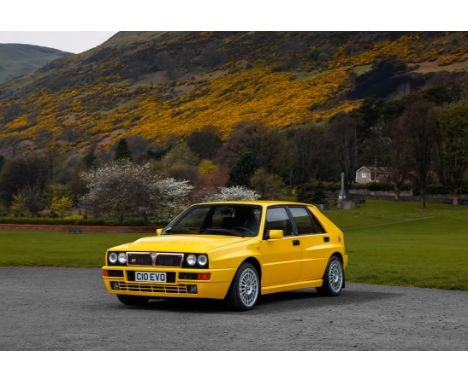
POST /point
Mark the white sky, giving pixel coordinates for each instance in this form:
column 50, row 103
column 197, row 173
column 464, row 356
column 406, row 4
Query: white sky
column 75, row 42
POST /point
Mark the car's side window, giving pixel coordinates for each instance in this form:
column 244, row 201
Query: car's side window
column 318, row 226
column 306, row 223
column 278, row 218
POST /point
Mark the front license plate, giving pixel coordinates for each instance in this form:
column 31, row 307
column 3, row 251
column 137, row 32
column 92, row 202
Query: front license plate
column 151, row 277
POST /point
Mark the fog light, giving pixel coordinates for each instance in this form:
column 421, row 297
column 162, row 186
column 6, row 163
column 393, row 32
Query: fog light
column 114, row 285
column 192, row 289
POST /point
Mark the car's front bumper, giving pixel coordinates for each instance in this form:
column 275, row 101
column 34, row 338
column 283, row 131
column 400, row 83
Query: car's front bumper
column 216, row 287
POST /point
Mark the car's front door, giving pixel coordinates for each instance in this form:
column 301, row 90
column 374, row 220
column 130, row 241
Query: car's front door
column 315, row 243
column 281, row 258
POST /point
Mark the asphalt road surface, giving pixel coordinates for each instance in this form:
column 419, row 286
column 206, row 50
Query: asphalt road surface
column 68, row 309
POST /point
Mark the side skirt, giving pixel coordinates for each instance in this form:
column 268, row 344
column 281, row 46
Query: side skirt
column 292, row 286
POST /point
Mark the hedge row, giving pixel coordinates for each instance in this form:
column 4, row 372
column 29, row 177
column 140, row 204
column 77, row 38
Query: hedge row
column 65, row 221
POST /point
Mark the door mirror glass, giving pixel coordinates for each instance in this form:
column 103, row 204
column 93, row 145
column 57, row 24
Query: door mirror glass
column 275, row 234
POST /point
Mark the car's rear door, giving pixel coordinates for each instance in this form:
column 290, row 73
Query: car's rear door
column 314, row 243
column 281, row 258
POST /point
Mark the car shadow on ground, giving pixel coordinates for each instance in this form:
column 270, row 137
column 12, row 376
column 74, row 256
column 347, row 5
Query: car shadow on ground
column 277, row 302
column 307, row 298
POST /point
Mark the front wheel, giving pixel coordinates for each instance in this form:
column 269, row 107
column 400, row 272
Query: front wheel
column 333, row 279
column 132, row 300
column 245, row 288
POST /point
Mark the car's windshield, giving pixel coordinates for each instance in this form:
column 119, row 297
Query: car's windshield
column 218, row 219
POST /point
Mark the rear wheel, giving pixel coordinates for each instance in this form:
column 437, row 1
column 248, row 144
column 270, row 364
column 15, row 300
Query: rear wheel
column 132, row 300
column 245, row 288
column 333, row 279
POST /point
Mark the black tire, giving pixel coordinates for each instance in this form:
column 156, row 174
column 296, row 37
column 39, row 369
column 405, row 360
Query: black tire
column 132, row 300
column 332, row 287
column 234, row 297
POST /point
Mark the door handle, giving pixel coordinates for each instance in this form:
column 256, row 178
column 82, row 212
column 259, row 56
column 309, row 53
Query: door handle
column 326, row 239
column 296, row 242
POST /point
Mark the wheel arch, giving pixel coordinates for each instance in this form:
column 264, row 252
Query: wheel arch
column 340, row 256
column 256, row 264
column 254, row 261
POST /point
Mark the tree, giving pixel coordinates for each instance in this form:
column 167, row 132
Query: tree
column 31, row 198
column 344, row 128
column 205, row 142
column 313, row 154
column 18, row 205
column 89, row 159
column 243, row 139
column 271, row 148
column 242, row 171
column 183, row 172
column 400, row 158
column 179, row 155
column 124, row 189
column 61, row 205
column 311, row 192
column 269, row 186
column 233, row 193
column 122, row 152
column 171, row 198
column 213, row 181
column 207, row 167
column 452, row 146
column 29, row 172
column 60, row 199
column 418, row 125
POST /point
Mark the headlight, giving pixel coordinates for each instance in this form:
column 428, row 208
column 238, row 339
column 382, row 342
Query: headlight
column 113, row 257
column 202, row 260
column 191, row 259
column 122, row 258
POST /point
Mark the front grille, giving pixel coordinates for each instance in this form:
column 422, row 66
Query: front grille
column 139, row 259
column 155, row 259
column 169, row 260
column 156, row 288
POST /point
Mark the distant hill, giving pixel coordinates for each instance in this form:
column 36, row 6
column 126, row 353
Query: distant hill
column 19, row 59
column 162, row 84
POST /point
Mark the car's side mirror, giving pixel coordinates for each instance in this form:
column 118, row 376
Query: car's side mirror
column 275, row 234
column 158, row 231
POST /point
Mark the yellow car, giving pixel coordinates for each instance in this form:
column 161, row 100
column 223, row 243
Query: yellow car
column 236, row 250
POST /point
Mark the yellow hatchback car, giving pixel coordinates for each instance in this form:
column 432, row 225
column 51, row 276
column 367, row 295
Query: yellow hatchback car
column 236, row 250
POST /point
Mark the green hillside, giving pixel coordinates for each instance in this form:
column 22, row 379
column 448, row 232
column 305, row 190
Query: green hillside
column 163, row 85
column 20, row 59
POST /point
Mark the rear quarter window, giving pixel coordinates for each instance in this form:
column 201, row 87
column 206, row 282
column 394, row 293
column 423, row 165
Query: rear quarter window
column 305, row 221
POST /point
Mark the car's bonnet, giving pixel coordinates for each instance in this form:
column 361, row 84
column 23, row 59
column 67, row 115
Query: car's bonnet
column 182, row 243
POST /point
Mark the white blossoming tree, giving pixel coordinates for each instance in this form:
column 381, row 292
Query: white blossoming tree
column 171, row 197
column 233, row 193
column 123, row 189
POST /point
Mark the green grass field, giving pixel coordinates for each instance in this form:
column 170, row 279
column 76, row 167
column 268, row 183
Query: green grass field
column 399, row 244
column 388, row 243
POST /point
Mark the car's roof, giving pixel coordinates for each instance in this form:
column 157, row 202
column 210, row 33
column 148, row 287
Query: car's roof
column 256, row 202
